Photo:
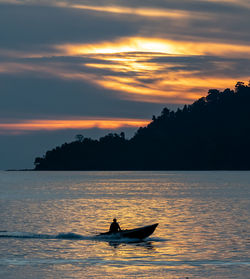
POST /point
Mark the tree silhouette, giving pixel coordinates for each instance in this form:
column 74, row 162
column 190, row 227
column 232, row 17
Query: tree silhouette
column 211, row 133
column 79, row 137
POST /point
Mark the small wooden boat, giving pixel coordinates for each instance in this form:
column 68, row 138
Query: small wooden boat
column 138, row 233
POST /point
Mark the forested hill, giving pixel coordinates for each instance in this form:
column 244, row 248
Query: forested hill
column 211, row 134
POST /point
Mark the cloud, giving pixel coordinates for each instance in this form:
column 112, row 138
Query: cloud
column 64, row 21
column 29, row 96
column 134, row 11
column 28, row 27
column 51, row 124
column 211, row 5
column 139, row 69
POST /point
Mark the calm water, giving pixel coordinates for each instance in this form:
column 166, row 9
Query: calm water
column 204, row 224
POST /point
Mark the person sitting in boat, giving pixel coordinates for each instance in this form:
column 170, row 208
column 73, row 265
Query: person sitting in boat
column 114, row 227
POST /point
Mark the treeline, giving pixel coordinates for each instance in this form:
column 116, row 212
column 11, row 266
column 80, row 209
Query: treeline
column 213, row 133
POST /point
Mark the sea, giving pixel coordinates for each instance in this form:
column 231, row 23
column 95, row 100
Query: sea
column 49, row 222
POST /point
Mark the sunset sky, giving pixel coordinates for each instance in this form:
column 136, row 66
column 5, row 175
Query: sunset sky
column 95, row 66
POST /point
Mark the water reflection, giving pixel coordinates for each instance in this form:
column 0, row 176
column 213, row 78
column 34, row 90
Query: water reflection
column 144, row 244
column 203, row 224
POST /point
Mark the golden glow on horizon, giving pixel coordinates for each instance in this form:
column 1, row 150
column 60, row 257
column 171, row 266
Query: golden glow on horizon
column 107, row 123
column 156, row 45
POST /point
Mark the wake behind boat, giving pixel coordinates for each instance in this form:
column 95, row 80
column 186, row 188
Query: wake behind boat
column 138, row 233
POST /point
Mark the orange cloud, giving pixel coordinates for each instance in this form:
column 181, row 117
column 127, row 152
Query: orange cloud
column 176, row 88
column 130, row 67
column 133, row 55
column 107, row 123
column 143, row 80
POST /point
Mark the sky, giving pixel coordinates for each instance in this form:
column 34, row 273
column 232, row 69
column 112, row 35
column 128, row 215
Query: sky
column 92, row 67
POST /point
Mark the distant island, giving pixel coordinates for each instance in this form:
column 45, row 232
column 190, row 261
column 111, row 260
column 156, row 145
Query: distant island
column 213, row 133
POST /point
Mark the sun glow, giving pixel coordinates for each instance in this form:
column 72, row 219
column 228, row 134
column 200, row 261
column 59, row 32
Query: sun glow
column 134, row 44
column 156, row 45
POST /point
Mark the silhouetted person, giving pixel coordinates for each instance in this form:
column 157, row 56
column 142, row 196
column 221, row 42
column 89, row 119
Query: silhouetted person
column 114, row 227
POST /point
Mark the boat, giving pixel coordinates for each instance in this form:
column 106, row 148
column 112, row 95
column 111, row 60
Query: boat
column 138, row 233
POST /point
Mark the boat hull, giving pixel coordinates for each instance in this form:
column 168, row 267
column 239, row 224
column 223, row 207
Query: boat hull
column 138, row 233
